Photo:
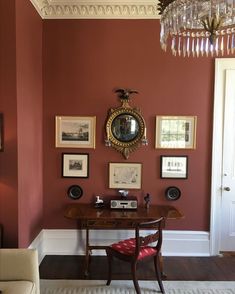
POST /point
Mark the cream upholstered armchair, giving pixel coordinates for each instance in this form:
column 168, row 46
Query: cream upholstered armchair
column 19, row 271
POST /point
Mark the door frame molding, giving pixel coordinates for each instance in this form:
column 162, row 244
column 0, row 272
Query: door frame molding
column 217, row 152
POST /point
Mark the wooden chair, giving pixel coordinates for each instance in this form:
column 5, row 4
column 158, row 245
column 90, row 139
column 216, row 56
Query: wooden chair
column 137, row 249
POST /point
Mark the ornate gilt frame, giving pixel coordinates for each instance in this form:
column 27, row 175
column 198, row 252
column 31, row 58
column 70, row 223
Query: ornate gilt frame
column 121, row 146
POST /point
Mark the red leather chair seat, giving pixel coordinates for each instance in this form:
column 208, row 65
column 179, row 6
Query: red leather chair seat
column 127, row 247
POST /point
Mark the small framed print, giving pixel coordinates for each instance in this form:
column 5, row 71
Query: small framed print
column 174, row 167
column 75, row 165
column 176, row 132
column 125, row 175
column 1, row 132
column 75, row 131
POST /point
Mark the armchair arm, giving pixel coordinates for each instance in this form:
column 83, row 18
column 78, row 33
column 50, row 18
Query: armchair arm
column 19, row 264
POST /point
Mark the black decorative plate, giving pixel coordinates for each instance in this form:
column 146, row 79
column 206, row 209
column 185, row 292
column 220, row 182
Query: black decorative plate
column 172, row 193
column 75, row 192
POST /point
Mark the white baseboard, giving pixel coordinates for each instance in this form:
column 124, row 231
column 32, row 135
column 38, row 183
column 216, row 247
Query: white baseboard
column 186, row 243
column 72, row 242
column 38, row 244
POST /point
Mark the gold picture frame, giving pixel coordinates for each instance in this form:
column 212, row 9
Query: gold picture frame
column 175, row 132
column 75, row 131
column 125, row 175
column 125, row 128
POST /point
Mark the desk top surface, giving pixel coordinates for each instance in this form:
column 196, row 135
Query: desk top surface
column 88, row 212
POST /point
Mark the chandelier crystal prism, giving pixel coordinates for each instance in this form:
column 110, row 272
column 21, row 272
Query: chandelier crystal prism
column 197, row 27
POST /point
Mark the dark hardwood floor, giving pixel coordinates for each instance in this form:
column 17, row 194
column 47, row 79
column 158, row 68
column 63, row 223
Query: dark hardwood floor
column 176, row 268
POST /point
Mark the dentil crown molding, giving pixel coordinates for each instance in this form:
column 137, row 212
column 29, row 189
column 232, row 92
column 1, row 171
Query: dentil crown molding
column 93, row 9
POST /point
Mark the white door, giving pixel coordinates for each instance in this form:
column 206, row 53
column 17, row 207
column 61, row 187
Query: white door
column 227, row 242
column 223, row 158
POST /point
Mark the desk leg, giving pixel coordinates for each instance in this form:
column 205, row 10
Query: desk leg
column 88, row 253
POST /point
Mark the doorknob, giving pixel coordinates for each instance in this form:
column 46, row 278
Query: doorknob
column 227, row 189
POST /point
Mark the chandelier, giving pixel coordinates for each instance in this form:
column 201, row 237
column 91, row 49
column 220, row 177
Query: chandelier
column 197, row 27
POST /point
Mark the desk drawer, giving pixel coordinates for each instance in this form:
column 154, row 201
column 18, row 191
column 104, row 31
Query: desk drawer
column 102, row 224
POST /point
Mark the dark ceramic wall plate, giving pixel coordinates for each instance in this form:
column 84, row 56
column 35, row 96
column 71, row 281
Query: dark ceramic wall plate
column 75, row 192
column 172, row 193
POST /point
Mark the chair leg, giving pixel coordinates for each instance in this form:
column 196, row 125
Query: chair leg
column 135, row 281
column 110, row 260
column 158, row 273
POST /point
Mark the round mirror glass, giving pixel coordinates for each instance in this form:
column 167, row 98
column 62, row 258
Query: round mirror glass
column 125, row 127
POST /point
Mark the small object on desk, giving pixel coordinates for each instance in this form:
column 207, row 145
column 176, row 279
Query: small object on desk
column 131, row 203
column 124, row 193
column 147, row 199
column 99, row 202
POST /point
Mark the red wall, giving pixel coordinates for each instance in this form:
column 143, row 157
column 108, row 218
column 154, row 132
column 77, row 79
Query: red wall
column 8, row 158
column 21, row 104
column 29, row 120
column 84, row 60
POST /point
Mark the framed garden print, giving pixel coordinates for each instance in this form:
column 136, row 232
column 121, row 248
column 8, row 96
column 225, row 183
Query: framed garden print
column 75, row 131
column 1, row 132
column 176, row 132
column 75, row 165
column 174, row 167
column 125, row 175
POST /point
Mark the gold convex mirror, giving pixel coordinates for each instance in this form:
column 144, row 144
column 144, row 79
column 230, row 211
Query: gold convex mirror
column 125, row 126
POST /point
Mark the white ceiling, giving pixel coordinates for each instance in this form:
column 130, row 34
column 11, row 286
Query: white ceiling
column 96, row 9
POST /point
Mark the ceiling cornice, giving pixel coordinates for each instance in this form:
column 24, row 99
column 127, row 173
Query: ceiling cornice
column 93, row 9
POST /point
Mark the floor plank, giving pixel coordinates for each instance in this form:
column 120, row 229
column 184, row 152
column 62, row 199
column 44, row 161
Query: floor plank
column 177, row 268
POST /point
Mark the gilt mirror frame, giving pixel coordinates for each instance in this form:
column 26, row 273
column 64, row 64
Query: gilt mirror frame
column 128, row 142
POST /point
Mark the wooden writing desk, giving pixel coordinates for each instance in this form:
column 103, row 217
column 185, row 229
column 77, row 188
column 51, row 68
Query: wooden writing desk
column 90, row 218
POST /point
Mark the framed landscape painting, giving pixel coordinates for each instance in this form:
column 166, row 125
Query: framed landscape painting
column 75, row 131
column 75, row 165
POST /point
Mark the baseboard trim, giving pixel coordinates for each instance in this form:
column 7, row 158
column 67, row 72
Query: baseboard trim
column 72, row 242
column 38, row 244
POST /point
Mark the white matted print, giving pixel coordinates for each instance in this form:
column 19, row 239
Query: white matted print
column 75, row 165
column 174, row 167
column 75, row 131
column 125, row 175
column 176, row 132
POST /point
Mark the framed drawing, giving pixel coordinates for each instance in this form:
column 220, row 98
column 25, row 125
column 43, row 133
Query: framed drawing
column 75, row 165
column 174, row 167
column 1, row 132
column 176, row 132
column 75, row 131
column 125, row 175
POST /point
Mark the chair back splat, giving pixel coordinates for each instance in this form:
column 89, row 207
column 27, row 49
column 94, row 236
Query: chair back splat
column 137, row 249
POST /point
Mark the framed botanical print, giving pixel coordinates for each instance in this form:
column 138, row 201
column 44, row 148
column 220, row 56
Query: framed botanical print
column 176, row 132
column 75, row 131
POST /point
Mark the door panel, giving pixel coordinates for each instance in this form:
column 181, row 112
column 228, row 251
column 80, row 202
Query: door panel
column 227, row 241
